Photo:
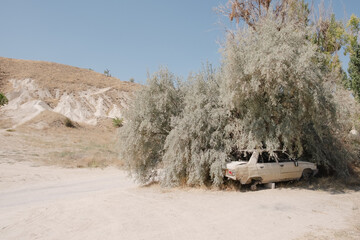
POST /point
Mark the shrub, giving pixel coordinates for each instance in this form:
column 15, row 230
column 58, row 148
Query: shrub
column 118, row 122
column 3, row 99
column 196, row 149
column 68, row 123
column 107, row 73
column 142, row 138
column 132, row 80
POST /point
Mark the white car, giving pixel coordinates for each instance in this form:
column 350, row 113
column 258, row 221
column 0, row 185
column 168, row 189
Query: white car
column 259, row 167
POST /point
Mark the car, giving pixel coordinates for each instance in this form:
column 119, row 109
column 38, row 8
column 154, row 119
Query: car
column 259, row 167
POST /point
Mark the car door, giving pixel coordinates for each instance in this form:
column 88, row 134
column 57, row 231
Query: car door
column 288, row 169
column 268, row 168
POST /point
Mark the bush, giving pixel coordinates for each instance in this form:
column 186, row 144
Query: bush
column 107, row 73
column 118, row 122
column 3, row 99
column 142, row 138
column 68, row 123
column 196, row 148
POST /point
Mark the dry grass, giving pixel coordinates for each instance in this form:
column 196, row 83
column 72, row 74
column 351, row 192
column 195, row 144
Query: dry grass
column 56, row 144
column 57, row 76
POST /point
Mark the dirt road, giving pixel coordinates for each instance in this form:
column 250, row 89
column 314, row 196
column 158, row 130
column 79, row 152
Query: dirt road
column 38, row 202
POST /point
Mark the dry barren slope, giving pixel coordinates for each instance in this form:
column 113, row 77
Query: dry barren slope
column 57, row 76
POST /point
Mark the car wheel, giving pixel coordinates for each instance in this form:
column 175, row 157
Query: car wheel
column 307, row 174
column 254, row 184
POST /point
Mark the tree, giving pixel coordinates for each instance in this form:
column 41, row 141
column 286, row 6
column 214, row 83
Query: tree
column 196, row 149
column 329, row 35
column 354, row 69
column 148, row 123
column 353, row 27
column 274, row 87
column 251, row 11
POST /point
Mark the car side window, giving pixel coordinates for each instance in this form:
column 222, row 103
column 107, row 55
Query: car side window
column 265, row 157
column 283, row 157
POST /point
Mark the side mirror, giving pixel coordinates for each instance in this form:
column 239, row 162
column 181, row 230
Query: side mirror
column 296, row 163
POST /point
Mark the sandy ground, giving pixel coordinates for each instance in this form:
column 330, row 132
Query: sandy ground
column 50, row 202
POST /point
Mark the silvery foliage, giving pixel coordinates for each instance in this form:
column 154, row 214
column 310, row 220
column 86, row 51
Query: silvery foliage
column 148, row 118
column 196, row 149
column 273, row 83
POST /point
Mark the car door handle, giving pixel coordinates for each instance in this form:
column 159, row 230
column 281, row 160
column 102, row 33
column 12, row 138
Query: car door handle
column 281, row 165
column 261, row 166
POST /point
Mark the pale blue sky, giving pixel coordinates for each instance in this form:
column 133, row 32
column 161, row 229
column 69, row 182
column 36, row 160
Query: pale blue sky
column 127, row 37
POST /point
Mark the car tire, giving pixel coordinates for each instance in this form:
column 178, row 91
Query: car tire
column 254, row 184
column 307, row 174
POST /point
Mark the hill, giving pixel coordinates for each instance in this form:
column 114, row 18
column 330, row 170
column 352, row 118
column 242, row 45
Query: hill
column 81, row 95
column 43, row 96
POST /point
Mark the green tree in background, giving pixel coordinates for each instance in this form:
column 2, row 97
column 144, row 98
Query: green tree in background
column 354, row 69
column 352, row 48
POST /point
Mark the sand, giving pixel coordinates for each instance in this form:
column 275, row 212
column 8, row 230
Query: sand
column 50, row 202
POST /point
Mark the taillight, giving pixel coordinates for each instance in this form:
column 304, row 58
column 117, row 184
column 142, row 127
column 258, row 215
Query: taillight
column 230, row 172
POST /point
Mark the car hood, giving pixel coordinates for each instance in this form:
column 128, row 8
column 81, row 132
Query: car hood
column 234, row 164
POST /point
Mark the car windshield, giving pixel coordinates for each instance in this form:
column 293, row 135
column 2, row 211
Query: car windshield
column 244, row 156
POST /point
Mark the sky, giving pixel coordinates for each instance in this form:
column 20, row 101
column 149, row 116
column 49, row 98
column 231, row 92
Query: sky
column 130, row 38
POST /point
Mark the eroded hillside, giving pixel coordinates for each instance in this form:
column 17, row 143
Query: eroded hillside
column 42, row 96
column 81, row 95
